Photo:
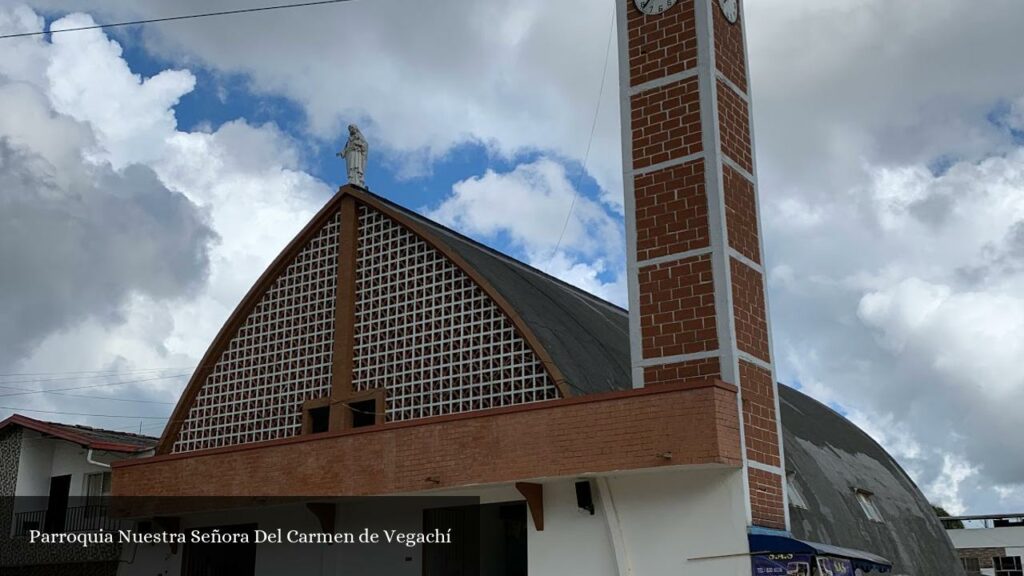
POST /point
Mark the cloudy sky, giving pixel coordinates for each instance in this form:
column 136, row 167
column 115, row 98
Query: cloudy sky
column 148, row 175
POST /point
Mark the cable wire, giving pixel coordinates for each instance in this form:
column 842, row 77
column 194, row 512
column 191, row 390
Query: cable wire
column 174, row 18
column 20, row 409
column 93, row 386
column 109, row 371
column 590, row 141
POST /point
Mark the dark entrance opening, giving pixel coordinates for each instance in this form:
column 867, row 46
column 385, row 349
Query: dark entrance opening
column 57, row 504
column 487, row 540
column 224, row 558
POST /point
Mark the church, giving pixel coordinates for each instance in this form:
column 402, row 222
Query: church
column 382, row 354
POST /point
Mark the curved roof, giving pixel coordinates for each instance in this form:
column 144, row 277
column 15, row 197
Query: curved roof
column 830, row 458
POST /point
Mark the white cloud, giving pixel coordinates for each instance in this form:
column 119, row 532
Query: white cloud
column 420, row 77
column 891, row 192
column 132, row 117
column 106, row 174
column 908, row 310
column 945, row 489
column 536, row 209
column 78, row 239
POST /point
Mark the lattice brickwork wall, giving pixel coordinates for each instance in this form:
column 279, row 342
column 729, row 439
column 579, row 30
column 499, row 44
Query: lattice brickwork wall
column 280, row 357
column 429, row 335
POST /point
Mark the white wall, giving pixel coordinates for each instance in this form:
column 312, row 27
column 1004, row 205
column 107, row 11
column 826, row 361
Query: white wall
column 669, row 522
column 573, row 541
column 35, row 464
column 1007, row 537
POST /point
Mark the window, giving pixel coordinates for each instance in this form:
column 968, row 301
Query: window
column 971, row 565
column 364, row 413
column 1007, row 566
column 796, row 497
column 365, row 409
column 97, row 485
column 316, row 416
column 319, row 419
column 866, row 500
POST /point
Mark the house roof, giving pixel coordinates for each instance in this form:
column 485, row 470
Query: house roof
column 87, row 436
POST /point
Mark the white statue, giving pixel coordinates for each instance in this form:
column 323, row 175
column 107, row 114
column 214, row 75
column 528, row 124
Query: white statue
column 355, row 152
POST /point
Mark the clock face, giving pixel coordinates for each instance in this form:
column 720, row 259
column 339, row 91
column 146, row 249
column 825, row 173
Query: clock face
column 731, row 9
column 653, row 6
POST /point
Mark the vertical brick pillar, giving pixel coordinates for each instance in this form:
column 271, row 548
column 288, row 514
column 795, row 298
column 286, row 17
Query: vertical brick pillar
column 696, row 279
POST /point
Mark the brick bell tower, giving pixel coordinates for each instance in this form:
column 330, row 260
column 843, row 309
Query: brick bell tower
column 697, row 305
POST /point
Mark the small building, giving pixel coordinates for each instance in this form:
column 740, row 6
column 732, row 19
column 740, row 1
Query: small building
column 991, row 544
column 54, row 477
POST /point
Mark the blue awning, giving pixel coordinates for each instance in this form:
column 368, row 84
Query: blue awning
column 865, row 561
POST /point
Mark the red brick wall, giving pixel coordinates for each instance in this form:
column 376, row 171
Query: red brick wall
column 984, row 555
column 690, row 371
column 697, row 423
column 734, row 126
column 766, row 499
column 759, row 415
column 661, row 45
column 741, row 214
column 666, row 123
column 729, row 51
column 748, row 305
column 671, row 210
column 677, row 308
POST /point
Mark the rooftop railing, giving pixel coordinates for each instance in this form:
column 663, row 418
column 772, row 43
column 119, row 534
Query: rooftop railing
column 89, row 518
column 982, row 521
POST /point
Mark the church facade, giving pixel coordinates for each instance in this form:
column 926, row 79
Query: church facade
column 382, row 354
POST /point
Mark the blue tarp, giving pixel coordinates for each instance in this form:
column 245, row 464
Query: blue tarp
column 864, row 561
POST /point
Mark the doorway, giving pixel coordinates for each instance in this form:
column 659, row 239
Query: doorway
column 57, row 504
column 487, row 540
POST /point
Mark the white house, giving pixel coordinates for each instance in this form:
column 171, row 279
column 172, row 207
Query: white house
column 992, row 544
column 54, row 477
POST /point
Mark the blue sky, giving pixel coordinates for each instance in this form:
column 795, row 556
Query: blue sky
column 220, row 97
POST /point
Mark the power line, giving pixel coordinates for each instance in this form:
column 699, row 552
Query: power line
column 82, row 378
column 590, row 141
column 109, row 371
column 19, row 409
column 174, row 18
column 92, row 386
column 104, row 398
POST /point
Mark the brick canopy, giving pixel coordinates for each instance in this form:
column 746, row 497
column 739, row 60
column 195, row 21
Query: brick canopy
column 694, row 424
